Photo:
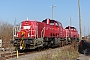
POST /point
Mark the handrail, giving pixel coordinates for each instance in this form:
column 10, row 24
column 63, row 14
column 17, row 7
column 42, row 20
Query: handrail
column 42, row 32
column 16, row 28
column 36, row 31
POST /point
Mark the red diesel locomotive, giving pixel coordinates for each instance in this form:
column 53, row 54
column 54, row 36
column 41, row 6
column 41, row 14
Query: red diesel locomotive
column 48, row 33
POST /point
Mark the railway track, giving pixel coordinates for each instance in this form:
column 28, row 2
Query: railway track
column 13, row 54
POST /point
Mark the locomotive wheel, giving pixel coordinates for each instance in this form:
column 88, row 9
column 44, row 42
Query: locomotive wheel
column 39, row 48
column 59, row 44
column 62, row 43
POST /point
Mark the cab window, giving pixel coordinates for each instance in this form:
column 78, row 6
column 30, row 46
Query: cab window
column 60, row 24
column 51, row 22
column 56, row 24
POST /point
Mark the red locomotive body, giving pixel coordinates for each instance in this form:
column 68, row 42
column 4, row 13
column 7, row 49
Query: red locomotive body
column 53, row 29
column 48, row 33
column 72, row 33
column 30, row 29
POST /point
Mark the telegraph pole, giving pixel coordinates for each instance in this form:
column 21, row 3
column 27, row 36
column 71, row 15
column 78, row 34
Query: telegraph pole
column 52, row 11
column 70, row 21
column 15, row 22
column 88, row 32
column 70, row 27
column 14, row 28
column 80, row 22
column 84, row 33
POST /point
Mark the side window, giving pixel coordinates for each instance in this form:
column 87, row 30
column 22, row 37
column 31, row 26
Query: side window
column 60, row 24
column 51, row 22
column 45, row 21
column 75, row 30
column 56, row 24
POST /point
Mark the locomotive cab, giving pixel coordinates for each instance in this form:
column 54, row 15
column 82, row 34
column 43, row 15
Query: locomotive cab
column 26, row 29
column 54, row 28
column 52, row 22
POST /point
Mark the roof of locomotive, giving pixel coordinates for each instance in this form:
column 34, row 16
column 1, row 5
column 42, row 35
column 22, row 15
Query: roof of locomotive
column 29, row 20
column 71, row 27
column 51, row 20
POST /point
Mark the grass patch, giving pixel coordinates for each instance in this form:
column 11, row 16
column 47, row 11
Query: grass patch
column 70, row 53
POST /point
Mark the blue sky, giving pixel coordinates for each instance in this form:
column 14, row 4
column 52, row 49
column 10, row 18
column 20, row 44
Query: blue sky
column 40, row 9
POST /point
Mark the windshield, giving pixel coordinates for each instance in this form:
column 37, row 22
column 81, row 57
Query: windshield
column 26, row 27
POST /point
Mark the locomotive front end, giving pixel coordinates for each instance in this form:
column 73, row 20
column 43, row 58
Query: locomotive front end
column 26, row 36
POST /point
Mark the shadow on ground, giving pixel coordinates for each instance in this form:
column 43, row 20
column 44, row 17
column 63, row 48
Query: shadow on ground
column 84, row 47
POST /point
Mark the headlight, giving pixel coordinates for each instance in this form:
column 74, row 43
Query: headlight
column 20, row 47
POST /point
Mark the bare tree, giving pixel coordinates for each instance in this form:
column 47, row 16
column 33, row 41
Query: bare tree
column 6, row 31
